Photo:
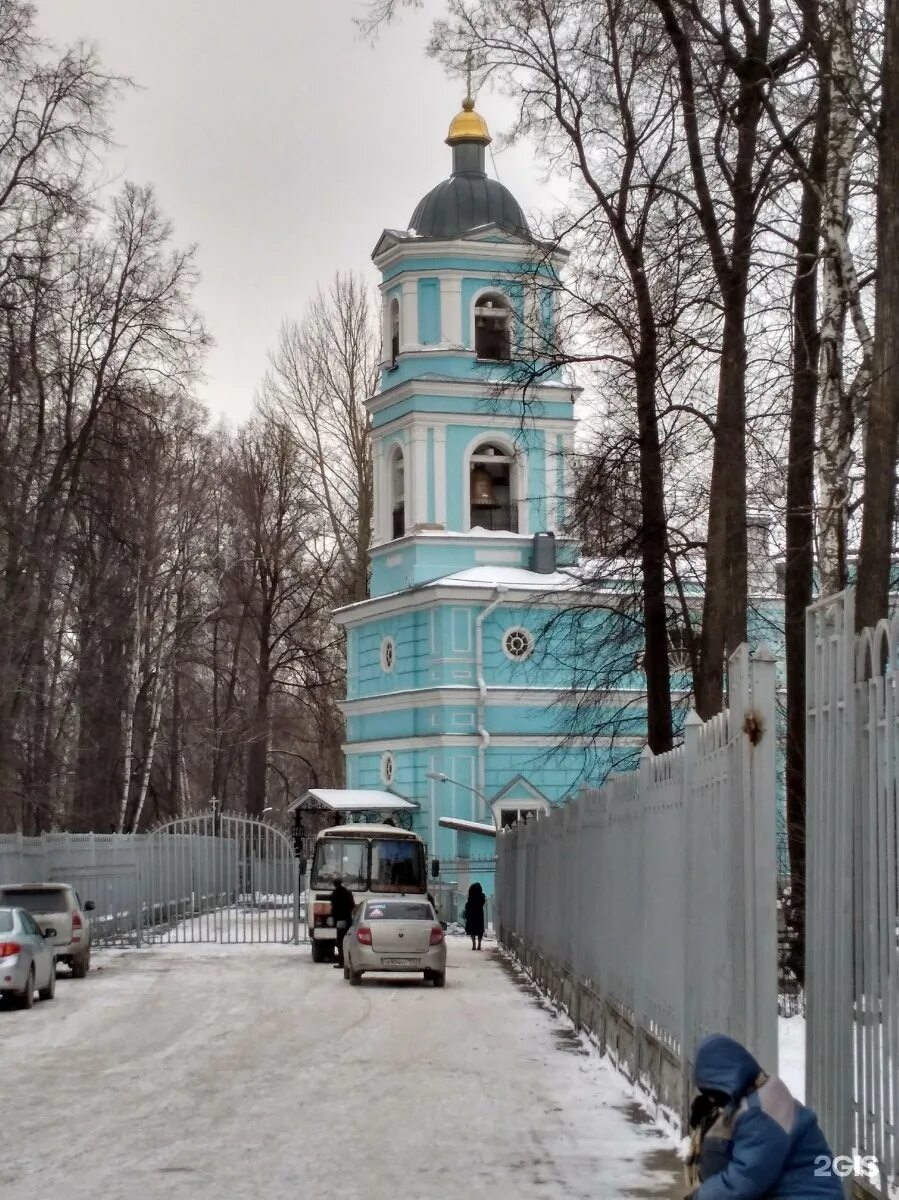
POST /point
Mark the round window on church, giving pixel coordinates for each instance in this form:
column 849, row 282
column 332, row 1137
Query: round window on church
column 388, row 654
column 518, row 643
column 387, row 768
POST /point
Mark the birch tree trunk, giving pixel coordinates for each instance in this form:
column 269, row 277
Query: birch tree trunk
column 157, row 693
column 838, row 403
column 876, row 555
column 130, row 709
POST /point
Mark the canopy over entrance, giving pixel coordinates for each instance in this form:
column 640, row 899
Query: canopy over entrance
column 350, row 800
column 321, row 808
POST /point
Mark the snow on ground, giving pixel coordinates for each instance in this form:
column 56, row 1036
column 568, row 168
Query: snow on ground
column 791, row 1054
column 220, row 1072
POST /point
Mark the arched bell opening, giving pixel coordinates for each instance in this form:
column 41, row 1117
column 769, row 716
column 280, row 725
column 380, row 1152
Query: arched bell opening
column 398, row 494
column 493, row 328
column 491, row 489
column 394, row 315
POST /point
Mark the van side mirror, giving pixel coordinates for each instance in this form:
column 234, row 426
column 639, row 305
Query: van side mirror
column 90, row 906
column 435, row 868
column 48, row 933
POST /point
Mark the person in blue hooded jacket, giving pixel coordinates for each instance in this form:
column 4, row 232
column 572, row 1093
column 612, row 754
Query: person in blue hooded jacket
column 759, row 1142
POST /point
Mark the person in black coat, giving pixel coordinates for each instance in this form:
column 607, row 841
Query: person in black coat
column 342, row 905
column 474, row 915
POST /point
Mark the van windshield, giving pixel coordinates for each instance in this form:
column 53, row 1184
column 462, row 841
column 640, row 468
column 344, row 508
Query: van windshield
column 340, row 858
column 397, row 866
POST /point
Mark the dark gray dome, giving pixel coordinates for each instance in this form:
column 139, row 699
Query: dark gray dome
column 465, row 202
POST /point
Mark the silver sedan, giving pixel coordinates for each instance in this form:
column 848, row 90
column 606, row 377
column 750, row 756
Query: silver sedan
column 395, row 935
column 27, row 960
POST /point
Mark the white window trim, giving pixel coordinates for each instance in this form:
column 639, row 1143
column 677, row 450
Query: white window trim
column 517, row 475
column 388, row 767
column 388, row 644
column 518, row 658
column 395, row 451
column 478, row 297
column 530, row 806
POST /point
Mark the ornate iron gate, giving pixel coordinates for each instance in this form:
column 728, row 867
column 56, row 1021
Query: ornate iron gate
column 220, row 878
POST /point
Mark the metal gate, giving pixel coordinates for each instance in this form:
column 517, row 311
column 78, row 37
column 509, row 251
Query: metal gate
column 852, row 974
column 220, row 878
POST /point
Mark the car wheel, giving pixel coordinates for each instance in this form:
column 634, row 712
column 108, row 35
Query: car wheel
column 48, row 992
column 439, row 978
column 346, row 972
column 355, row 977
column 26, row 998
column 81, row 965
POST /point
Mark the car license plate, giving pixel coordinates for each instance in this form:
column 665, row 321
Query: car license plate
column 411, row 963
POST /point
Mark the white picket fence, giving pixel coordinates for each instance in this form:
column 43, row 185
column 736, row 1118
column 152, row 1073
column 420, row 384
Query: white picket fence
column 648, row 907
column 852, row 956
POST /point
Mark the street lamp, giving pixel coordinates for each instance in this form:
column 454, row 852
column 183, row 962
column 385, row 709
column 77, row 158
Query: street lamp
column 442, row 778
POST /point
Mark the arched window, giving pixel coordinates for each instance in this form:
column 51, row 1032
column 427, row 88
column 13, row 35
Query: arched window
column 493, row 328
column 491, row 489
column 394, row 330
column 398, row 494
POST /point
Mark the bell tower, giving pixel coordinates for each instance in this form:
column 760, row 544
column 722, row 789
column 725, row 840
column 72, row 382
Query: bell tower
column 449, row 697
column 465, row 471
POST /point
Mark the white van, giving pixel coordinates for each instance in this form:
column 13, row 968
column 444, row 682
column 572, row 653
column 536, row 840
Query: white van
column 370, row 860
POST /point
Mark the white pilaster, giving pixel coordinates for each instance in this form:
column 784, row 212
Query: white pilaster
column 380, row 533
column 451, row 310
column 418, row 466
column 440, row 475
column 385, row 332
column 409, row 318
column 529, row 337
column 551, row 468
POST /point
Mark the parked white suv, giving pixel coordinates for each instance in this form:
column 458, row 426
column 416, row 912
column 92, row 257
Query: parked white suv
column 56, row 906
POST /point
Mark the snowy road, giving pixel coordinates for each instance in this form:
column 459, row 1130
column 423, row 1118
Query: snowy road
column 219, row 1073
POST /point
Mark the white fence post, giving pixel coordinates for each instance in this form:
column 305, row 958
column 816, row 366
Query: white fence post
column 830, row 785
column 760, row 830
column 692, row 731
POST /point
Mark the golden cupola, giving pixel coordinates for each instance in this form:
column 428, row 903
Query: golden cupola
column 468, row 126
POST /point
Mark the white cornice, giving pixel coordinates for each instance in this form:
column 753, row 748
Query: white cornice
column 546, row 425
column 499, row 740
column 484, row 391
column 519, row 697
column 399, row 249
column 425, row 595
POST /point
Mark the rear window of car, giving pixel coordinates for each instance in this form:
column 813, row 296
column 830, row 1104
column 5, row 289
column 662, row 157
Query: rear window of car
column 399, row 911
column 49, row 901
column 7, row 924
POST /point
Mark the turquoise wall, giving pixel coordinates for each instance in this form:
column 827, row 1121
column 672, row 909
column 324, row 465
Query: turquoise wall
column 399, row 565
column 429, row 311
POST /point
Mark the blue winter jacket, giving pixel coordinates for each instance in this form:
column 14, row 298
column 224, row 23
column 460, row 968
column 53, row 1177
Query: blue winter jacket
column 776, row 1140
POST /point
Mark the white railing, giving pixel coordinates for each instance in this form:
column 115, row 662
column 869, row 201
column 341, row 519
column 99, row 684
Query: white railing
column 648, row 907
column 852, row 924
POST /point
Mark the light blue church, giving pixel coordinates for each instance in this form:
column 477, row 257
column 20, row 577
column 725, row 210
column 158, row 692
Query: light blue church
column 452, row 699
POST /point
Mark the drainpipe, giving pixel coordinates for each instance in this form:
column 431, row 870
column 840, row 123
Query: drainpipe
column 498, row 592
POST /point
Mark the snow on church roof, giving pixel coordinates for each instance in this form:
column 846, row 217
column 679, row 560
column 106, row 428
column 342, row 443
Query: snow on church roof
column 510, row 577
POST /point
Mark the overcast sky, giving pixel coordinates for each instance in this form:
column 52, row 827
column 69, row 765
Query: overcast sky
column 279, row 142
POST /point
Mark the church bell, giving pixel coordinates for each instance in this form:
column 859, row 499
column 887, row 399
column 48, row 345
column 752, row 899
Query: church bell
column 482, row 493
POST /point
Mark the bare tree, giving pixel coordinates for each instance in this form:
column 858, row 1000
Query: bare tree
column 324, row 369
column 284, row 581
